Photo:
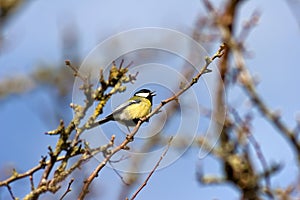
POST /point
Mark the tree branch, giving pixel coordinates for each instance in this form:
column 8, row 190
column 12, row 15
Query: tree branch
column 130, row 136
column 152, row 171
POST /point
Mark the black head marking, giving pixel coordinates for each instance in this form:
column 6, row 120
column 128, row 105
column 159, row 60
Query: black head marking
column 145, row 93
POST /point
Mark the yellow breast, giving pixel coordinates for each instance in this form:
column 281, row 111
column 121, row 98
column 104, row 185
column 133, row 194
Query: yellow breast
column 139, row 110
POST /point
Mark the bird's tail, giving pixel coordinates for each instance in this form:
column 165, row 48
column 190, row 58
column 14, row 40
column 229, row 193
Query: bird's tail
column 102, row 121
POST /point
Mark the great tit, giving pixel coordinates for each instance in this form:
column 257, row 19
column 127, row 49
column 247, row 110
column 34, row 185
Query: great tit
column 131, row 111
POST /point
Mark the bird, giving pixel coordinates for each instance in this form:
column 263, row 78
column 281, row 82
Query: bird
column 131, row 111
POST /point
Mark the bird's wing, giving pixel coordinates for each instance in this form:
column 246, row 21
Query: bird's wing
column 124, row 105
column 119, row 109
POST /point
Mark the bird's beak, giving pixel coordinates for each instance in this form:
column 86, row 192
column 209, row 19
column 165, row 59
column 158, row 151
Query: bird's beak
column 153, row 93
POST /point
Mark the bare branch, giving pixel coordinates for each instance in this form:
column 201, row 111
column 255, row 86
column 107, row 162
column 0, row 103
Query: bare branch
column 152, row 171
column 10, row 192
column 130, row 136
column 76, row 71
column 68, row 189
column 17, row 176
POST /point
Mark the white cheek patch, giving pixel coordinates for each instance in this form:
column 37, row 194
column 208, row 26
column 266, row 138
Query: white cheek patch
column 142, row 94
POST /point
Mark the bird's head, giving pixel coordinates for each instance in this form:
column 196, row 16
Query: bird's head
column 145, row 93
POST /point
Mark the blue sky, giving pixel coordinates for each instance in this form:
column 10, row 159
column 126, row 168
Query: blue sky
column 34, row 35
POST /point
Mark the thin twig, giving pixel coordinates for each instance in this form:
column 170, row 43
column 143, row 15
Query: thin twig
column 17, row 176
column 249, row 25
column 10, row 192
column 69, row 189
column 31, row 181
column 152, row 171
column 118, row 174
column 76, row 71
column 245, row 126
column 260, row 156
